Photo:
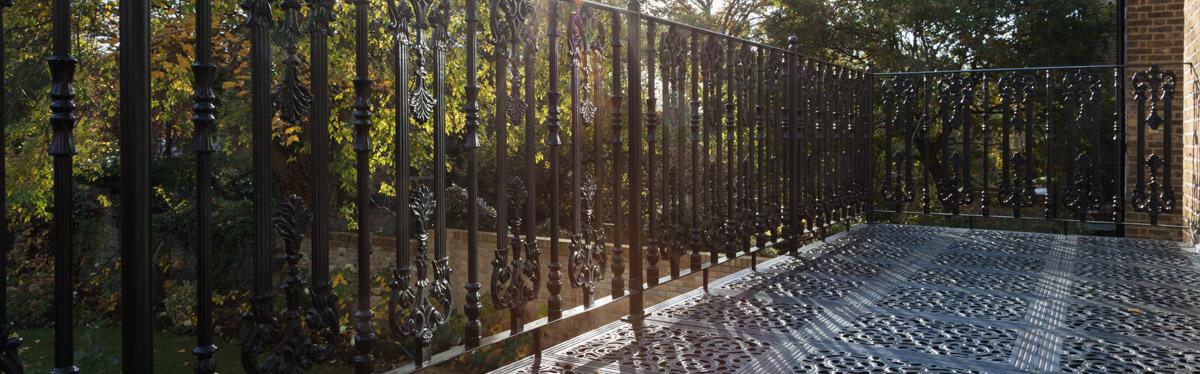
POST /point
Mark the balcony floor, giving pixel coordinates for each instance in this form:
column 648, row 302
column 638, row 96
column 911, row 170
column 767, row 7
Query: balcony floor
column 890, row 298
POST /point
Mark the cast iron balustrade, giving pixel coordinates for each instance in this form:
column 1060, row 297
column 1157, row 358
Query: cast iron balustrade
column 741, row 147
column 1039, row 143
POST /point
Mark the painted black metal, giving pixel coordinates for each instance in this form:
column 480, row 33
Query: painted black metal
column 204, row 119
column 364, row 338
column 616, row 146
column 10, row 359
column 711, row 63
column 1054, row 149
column 1153, row 93
column 637, row 308
column 137, row 317
column 419, row 308
column 794, row 158
column 554, row 140
column 473, row 306
column 588, row 261
column 62, row 149
column 260, row 319
column 673, row 229
column 515, row 282
column 322, row 316
column 653, row 247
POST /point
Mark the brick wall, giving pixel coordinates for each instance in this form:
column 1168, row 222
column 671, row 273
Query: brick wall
column 1191, row 168
column 1155, row 36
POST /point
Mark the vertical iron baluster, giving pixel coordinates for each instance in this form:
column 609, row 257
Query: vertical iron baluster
column 1051, row 188
column 1007, row 96
column 732, row 221
column 1095, row 191
column 909, row 124
column 260, row 317
column 966, row 188
column 441, row 292
column 947, row 182
column 842, row 118
column 62, row 149
column 1075, row 194
column 711, row 61
column 364, row 339
column 509, row 284
column 744, row 133
column 402, row 296
column 1030, row 88
column 1153, row 89
column 322, row 315
column 672, row 49
column 757, row 139
column 505, row 16
column 925, row 124
column 427, row 305
column 472, row 308
column 889, row 106
column 587, row 263
column 514, row 284
column 10, row 361
column 986, row 108
column 617, row 98
column 1119, row 136
column 575, row 51
column 532, row 253
column 695, row 232
column 869, row 143
column 290, row 347
column 652, row 245
column 136, row 308
column 804, row 146
column 553, row 139
column 820, row 125
column 1139, row 197
column 634, row 35
column 788, row 126
column 791, row 130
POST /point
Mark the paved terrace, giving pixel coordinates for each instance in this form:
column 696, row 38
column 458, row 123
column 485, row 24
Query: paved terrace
column 891, row 298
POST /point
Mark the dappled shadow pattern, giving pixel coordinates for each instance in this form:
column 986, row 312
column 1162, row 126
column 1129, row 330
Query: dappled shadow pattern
column 910, row 299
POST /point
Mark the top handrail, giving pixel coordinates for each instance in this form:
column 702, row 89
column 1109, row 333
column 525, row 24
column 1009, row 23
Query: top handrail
column 1021, row 69
column 660, row 20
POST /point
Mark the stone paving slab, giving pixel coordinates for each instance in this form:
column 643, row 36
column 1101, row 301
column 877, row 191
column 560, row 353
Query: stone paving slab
column 915, row 299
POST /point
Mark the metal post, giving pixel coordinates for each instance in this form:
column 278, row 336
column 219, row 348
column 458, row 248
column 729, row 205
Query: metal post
column 634, row 35
column 364, row 338
column 472, row 308
column 324, row 302
column 136, row 314
column 1122, row 174
column 618, row 264
column 554, row 140
column 9, row 359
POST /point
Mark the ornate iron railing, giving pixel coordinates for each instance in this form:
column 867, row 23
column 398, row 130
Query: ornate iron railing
column 715, row 144
column 1088, row 144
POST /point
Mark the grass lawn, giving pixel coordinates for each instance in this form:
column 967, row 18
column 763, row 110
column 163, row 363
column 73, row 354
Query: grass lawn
column 98, row 350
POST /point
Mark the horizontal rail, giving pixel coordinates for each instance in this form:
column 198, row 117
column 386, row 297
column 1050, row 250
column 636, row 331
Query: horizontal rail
column 1015, row 70
column 532, row 327
column 664, row 21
